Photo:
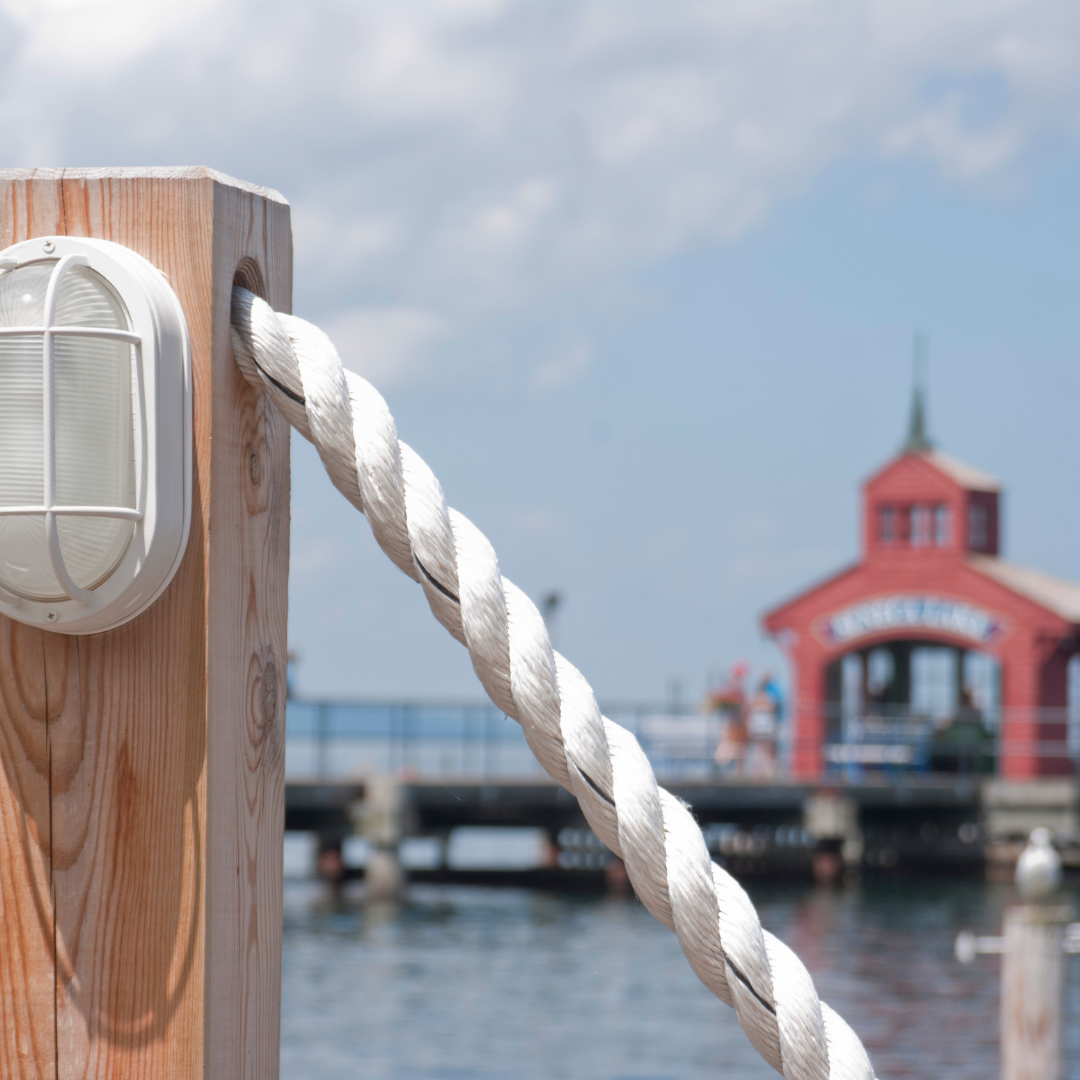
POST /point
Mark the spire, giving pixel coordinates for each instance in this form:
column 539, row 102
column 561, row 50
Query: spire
column 917, row 441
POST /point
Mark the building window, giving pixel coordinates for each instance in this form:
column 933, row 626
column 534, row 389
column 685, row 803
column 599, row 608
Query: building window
column 978, row 537
column 942, row 525
column 920, row 525
column 886, row 525
column 880, row 672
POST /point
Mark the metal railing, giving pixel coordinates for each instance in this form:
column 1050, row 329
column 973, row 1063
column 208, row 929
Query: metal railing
column 333, row 739
column 337, row 739
column 900, row 738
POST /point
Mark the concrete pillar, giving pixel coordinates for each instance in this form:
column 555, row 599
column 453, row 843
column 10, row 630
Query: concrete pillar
column 833, row 821
column 380, row 820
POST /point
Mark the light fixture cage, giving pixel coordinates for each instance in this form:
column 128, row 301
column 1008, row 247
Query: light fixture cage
column 129, row 567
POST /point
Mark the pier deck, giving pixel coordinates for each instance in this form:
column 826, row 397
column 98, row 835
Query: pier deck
column 932, row 823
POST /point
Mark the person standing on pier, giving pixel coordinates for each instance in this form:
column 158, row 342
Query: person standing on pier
column 730, row 703
column 762, row 724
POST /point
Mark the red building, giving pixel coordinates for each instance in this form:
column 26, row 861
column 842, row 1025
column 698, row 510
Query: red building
column 931, row 635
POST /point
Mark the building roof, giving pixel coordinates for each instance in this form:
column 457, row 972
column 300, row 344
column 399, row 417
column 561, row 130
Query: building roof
column 1054, row 594
column 967, row 476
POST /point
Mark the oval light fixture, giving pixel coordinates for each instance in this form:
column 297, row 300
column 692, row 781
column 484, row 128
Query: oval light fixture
column 95, row 434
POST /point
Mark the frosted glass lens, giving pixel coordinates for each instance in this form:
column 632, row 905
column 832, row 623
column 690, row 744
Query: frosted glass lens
column 94, row 438
column 24, row 558
column 95, row 462
column 22, row 467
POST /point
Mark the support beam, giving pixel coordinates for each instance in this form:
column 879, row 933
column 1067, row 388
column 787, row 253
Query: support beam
column 142, row 769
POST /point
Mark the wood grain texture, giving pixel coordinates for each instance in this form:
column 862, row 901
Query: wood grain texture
column 142, row 789
column 27, row 976
column 248, row 655
column 1033, row 992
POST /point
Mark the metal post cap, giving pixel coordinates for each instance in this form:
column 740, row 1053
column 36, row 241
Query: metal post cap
column 1038, row 870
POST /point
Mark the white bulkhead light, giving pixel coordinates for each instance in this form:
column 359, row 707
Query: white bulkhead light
column 95, row 434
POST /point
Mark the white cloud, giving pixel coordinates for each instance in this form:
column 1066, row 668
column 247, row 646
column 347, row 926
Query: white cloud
column 81, row 37
column 337, row 242
column 939, row 134
column 387, row 346
column 562, row 369
column 472, row 158
column 510, row 222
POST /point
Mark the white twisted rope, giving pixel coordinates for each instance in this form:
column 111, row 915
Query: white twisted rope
column 600, row 762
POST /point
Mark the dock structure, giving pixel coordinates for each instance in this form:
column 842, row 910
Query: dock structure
column 792, row 830
column 933, row 651
column 142, row 755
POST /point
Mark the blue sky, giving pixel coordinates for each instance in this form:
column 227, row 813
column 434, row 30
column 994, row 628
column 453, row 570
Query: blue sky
column 707, row 463
column 639, row 281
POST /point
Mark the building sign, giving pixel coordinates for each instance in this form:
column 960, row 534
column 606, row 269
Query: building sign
column 912, row 613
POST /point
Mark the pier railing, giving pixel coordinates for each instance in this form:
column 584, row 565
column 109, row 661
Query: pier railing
column 329, row 739
column 901, row 738
column 332, row 739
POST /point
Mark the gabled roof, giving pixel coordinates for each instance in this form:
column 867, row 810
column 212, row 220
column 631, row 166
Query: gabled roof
column 1054, row 594
column 818, row 586
column 959, row 472
column 967, row 476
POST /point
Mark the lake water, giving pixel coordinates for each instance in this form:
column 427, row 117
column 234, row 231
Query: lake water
column 464, row 983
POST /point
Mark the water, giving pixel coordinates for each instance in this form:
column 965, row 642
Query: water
column 462, row 983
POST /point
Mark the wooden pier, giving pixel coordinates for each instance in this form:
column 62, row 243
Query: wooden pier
column 934, row 824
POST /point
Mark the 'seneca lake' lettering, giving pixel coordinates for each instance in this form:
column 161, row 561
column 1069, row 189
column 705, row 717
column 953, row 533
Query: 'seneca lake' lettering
column 912, row 612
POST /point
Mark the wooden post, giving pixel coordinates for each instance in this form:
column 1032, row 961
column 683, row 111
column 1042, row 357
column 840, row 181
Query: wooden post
column 1032, row 988
column 142, row 779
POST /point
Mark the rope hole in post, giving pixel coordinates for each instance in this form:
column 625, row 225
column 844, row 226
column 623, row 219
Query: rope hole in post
column 249, row 276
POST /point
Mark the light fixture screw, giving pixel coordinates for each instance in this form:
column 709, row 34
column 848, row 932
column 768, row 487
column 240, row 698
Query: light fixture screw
column 51, row 616
column 50, row 247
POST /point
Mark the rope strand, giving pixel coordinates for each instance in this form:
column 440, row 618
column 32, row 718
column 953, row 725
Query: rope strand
column 600, row 762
